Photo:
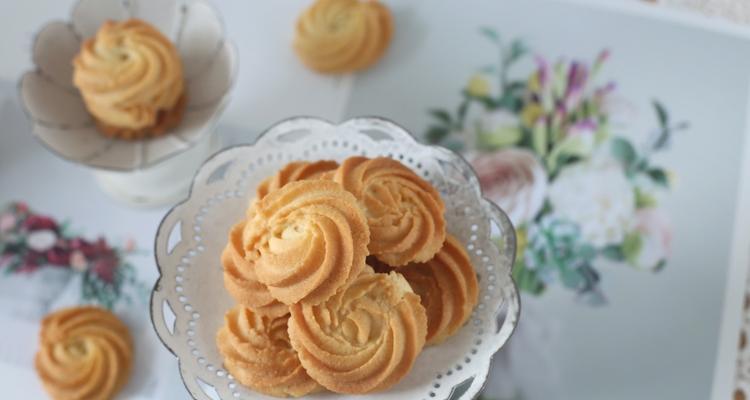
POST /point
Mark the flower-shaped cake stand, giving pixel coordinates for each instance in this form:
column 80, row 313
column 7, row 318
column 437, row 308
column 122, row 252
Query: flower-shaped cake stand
column 189, row 300
column 144, row 172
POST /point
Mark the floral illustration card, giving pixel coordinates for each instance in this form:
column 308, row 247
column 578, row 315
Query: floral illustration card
column 46, row 266
column 615, row 142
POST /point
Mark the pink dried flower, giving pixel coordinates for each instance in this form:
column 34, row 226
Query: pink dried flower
column 39, row 222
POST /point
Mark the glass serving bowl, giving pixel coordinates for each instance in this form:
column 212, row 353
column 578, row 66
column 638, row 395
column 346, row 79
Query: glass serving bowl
column 189, row 300
column 139, row 172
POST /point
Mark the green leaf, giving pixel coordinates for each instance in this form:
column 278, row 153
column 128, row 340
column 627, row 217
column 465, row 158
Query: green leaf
column 12, row 267
column 486, row 101
column 624, row 152
column 602, row 132
column 568, row 151
column 488, row 69
column 643, row 199
column 570, row 278
column 539, row 139
column 517, row 50
column 461, row 113
column 455, row 145
column 658, row 176
column 490, row 34
column 527, row 279
column 65, row 228
column 441, row 115
column 498, row 138
column 436, row 134
column 515, row 86
column 613, row 252
column 661, row 114
column 631, row 247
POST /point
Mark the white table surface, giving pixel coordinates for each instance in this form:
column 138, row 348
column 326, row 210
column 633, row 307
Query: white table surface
column 271, row 85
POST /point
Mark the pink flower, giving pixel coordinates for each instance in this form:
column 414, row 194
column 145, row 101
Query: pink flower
column 7, row 222
column 129, row 245
column 656, row 238
column 78, row 261
column 515, row 180
column 21, row 207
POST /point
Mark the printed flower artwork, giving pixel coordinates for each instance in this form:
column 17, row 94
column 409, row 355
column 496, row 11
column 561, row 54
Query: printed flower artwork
column 545, row 152
column 29, row 241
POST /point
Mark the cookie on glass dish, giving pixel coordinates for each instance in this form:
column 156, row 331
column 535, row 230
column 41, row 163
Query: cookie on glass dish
column 139, row 105
column 130, row 76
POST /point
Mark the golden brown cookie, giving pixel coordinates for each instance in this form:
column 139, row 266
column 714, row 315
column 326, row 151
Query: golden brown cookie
column 131, row 80
column 257, row 352
column 240, row 279
column 336, row 36
column 365, row 338
column 310, row 239
column 85, row 353
column 448, row 289
column 295, row 171
column 404, row 212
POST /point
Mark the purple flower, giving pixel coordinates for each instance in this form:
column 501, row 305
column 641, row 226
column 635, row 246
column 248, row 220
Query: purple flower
column 577, row 76
column 586, row 127
column 542, row 71
column 602, row 58
column 603, row 91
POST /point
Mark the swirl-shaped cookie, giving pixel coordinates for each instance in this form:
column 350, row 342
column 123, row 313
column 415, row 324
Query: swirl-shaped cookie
column 293, row 172
column 311, row 238
column 448, row 289
column 335, row 36
column 257, row 352
column 363, row 339
column 240, row 279
column 85, row 353
column 131, row 79
column 404, row 212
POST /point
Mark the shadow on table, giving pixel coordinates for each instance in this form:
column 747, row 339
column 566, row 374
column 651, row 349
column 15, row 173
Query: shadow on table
column 16, row 127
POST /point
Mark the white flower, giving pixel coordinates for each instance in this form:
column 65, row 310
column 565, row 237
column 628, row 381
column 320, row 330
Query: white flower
column 598, row 197
column 656, row 238
column 41, row 240
column 515, row 180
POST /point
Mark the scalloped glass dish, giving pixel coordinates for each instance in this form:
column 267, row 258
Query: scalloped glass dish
column 188, row 301
column 140, row 172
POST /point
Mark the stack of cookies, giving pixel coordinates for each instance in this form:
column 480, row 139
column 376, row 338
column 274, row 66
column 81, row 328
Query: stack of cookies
column 341, row 274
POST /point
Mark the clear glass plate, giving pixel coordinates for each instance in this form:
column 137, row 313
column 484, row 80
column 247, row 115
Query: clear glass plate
column 56, row 109
column 188, row 301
